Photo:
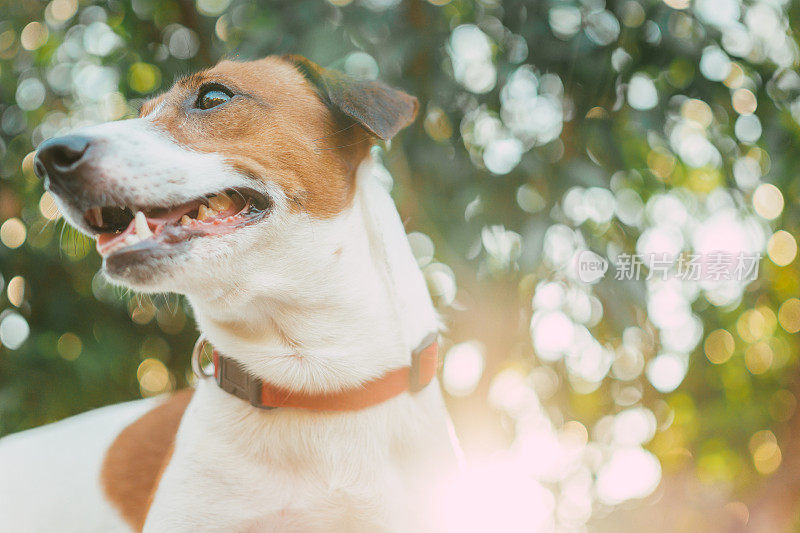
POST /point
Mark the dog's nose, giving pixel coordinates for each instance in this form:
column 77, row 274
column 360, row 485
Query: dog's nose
column 57, row 157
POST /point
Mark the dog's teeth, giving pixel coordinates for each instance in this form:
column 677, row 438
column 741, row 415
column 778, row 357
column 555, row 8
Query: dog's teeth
column 185, row 220
column 141, row 226
column 220, row 202
column 204, row 213
column 96, row 214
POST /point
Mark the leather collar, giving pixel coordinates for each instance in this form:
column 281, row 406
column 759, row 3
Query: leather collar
column 234, row 379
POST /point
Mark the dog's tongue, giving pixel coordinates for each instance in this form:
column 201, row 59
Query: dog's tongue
column 107, row 238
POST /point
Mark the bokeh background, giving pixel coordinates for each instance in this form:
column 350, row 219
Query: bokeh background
column 546, row 128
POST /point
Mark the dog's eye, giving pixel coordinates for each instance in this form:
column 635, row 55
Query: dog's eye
column 212, row 97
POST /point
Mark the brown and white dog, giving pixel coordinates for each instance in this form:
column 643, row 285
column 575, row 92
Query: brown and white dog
column 239, row 189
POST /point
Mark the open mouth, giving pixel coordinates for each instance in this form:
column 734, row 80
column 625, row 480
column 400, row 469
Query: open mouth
column 124, row 229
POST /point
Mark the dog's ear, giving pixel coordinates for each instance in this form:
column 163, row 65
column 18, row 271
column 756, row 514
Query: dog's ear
column 380, row 109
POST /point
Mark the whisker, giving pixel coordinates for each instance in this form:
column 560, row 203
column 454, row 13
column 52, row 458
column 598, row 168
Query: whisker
column 340, row 146
column 61, row 241
column 47, row 223
column 335, row 132
column 241, row 195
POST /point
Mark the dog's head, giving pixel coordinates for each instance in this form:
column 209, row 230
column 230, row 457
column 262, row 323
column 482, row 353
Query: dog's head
column 225, row 163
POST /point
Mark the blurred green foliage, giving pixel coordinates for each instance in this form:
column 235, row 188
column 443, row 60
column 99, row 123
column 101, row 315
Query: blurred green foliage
column 546, row 128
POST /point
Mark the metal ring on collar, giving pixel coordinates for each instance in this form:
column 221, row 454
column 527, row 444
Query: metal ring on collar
column 197, row 354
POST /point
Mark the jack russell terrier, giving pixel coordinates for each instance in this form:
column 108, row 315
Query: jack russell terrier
column 238, row 188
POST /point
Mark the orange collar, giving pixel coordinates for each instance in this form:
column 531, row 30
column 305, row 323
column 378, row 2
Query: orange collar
column 234, row 379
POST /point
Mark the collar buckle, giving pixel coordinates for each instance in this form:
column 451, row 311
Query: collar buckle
column 197, row 364
column 235, row 380
column 423, row 363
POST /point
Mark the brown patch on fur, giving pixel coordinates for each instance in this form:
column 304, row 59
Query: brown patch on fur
column 376, row 107
column 138, row 456
column 278, row 128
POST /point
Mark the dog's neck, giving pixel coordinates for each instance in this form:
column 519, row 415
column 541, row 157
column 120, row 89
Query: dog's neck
column 340, row 303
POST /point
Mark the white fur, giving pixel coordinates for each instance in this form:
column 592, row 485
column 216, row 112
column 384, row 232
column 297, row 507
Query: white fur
column 340, row 289
column 50, row 476
column 318, row 305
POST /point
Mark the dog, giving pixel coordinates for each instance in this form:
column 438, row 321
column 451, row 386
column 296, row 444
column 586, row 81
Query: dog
column 240, row 189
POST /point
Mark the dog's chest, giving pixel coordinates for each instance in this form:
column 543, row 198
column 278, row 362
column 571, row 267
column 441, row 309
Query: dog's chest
column 277, row 476
column 360, row 508
column 257, row 498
